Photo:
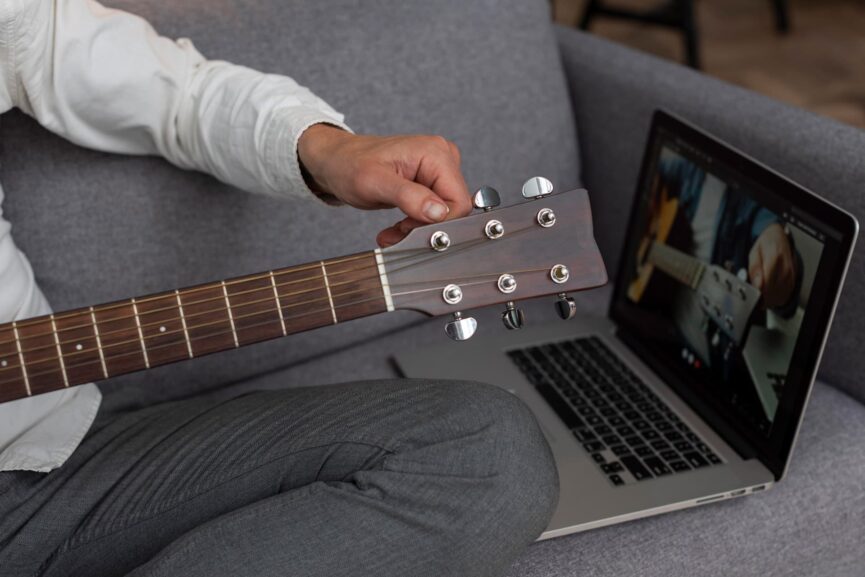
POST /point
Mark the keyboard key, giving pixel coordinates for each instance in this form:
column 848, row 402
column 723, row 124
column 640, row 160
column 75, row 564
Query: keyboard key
column 695, row 459
column 594, row 420
column 641, row 425
column 650, row 435
column 636, row 468
column 603, row 430
column 703, row 448
column 620, row 450
column 679, row 466
column 663, row 426
column 644, row 451
column 654, row 416
column 614, row 467
column 626, row 431
column 617, row 481
column 611, row 440
column 657, row 466
column 630, row 415
column 559, row 405
column 684, row 446
column 669, row 455
column 608, row 411
column 673, row 436
column 634, row 440
column 594, row 447
column 616, row 421
column 599, row 458
column 714, row 459
column 660, row 445
column 584, row 435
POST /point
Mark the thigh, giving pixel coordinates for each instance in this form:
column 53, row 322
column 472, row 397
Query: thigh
column 138, row 483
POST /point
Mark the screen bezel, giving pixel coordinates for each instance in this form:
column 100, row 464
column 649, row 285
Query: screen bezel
column 773, row 450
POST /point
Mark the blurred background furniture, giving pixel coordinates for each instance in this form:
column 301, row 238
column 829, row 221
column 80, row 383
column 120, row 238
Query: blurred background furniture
column 528, row 98
column 676, row 14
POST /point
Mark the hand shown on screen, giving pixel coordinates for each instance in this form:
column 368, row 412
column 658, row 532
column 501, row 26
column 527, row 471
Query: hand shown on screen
column 771, row 266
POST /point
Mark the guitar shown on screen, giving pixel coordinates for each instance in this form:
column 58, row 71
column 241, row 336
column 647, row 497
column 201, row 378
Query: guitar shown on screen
column 542, row 246
column 727, row 300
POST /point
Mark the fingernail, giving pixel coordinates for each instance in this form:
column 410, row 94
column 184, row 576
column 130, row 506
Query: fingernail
column 435, row 211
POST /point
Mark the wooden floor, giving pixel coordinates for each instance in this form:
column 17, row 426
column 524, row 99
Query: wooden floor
column 819, row 65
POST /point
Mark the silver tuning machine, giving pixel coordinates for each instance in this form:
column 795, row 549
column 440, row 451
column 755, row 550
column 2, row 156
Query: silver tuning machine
column 486, row 198
column 513, row 318
column 461, row 328
column 566, row 307
column 537, row 187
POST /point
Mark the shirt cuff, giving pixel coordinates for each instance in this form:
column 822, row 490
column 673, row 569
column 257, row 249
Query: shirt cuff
column 282, row 162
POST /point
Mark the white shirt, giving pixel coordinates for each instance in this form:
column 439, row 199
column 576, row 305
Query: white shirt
column 104, row 79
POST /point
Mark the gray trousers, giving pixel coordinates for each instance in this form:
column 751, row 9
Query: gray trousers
column 405, row 478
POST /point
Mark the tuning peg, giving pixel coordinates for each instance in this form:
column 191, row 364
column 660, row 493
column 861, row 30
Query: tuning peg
column 461, row 328
column 537, row 187
column 566, row 307
column 513, row 318
column 487, row 198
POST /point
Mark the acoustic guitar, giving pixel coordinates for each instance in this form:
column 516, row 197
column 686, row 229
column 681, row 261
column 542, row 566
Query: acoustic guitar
column 729, row 301
column 543, row 245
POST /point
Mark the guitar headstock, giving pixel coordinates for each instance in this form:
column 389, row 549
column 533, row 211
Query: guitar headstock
column 540, row 246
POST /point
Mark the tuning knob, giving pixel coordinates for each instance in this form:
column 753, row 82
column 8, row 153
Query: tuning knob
column 566, row 307
column 513, row 318
column 461, row 328
column 487, row 198
column 537, row 187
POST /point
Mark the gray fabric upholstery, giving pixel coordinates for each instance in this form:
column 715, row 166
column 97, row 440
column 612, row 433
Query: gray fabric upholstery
column 99, row 227
column 616, row 89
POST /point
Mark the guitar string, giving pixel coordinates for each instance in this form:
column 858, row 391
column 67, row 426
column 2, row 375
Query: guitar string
column 114, row 356
column 465, row 246
column 221, row 297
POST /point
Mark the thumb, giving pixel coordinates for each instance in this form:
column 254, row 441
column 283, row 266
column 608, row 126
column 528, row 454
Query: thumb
column 755, row 268
column 415, row 200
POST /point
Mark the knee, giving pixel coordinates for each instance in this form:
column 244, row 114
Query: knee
column 521, row 488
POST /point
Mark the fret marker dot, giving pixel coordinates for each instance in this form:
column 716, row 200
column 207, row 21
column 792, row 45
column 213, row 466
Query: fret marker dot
column 79, row 347
column 161, row 329
column 4, row 363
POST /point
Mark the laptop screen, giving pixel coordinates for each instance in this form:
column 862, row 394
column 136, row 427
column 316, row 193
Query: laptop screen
column 718, row 277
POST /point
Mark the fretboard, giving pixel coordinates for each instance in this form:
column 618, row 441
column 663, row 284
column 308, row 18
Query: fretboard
column 65, row 349
column 681, row 266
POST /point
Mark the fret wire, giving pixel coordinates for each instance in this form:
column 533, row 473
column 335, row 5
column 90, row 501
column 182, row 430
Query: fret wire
column 98, row 343
column 140, row 334
column 183, row 323
column 59, row 352
column 21, row 359
column 308, row 313
column 230, row 316
column 329, row 296
column 278, row 305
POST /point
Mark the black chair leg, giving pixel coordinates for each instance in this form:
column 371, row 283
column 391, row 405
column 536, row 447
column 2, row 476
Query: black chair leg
column 689, row 30
column 782, row 15
column 589, row 13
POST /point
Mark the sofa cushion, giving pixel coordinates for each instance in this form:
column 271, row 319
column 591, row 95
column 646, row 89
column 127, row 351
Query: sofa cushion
column 615, row 91
column 99, row 227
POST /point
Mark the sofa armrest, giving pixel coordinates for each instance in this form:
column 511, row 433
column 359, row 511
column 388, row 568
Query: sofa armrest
column 615, row 90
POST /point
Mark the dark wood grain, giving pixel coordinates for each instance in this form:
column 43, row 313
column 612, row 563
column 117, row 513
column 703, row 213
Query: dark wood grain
column 12, row 385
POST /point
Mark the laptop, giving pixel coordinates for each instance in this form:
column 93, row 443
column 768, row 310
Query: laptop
column 693, row 386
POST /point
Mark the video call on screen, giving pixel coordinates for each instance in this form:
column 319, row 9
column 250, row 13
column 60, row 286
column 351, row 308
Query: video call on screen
column 720, row 283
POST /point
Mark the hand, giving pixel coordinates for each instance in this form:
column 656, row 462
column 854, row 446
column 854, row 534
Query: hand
column 771, row 266
column 418, row 174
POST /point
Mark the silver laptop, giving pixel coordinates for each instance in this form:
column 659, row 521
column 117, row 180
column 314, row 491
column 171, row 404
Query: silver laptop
column 692, row 388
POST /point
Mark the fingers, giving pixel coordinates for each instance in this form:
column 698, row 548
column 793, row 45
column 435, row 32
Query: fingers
column 440, row 171
column 755, row 266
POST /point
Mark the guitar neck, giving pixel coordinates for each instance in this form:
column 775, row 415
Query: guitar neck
column 679, row 265
column 57, row 351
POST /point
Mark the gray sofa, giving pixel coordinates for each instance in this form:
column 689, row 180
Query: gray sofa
column 521, row 97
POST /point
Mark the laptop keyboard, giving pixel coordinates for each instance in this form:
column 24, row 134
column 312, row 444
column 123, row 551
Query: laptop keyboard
column 627, row 430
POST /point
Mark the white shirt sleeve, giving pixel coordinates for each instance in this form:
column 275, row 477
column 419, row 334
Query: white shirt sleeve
column 105, row 79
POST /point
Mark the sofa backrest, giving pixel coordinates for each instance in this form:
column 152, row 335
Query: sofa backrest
column 99, row 227
column 615, row 91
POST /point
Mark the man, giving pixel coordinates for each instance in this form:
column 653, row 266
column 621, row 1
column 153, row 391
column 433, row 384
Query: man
column 382, row 478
